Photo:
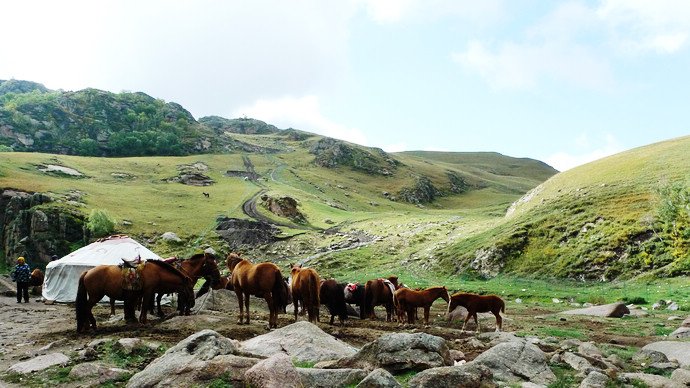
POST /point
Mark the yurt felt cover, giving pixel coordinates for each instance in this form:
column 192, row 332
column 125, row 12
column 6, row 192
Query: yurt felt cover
column 62, row 276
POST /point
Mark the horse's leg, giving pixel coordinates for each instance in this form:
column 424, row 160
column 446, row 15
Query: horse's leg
column 499, row 321
column 246, row 305
column 476, row 321
column 159, row 296
column 295, row 303
column 426, row 315
column 272, row 311
column 146, row 301
column 240, row 295
column 467, row 318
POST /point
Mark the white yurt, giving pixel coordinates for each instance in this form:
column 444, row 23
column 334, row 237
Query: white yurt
column 62, row 275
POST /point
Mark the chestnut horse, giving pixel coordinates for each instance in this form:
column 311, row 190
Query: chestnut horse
column 407, row 301
column 478, row 304
column 97, row 282
column 262, row 280
column 377, row 292
column 305, row 287
column 36, row 281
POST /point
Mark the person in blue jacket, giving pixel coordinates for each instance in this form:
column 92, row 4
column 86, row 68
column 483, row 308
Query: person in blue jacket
column 22, row 274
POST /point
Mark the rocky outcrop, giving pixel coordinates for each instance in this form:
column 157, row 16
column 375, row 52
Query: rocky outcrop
column 422, row 192
column 282, row 207
column 240, row 233
column 33, row 227
column 331, row 153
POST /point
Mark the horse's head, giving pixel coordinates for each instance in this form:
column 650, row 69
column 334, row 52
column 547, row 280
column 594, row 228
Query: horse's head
column 394, row 279
column 232, row 260
column 294, row 270
column 444, row 294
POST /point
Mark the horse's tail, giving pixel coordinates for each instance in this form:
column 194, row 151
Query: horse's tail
column 503, row 306
column 81, row 304
column 396, row 302
column 279, row 299
column 314, row 288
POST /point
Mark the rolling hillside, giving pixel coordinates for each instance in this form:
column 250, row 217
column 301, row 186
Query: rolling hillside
column 621, row 216
column 361, row 211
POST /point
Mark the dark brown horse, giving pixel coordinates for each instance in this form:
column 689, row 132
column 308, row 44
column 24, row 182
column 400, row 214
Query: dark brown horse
column 201, row 265
column 407, row 301
column 332, row 295
column 305, row 288
column 478, row 304
column 155, row 276
column 263, row 280
column 378, row 292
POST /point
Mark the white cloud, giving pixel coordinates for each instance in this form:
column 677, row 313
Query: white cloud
column 563, row 161
column 398, row 11
column 638, row 26
column 300, row 113
column 553, row 49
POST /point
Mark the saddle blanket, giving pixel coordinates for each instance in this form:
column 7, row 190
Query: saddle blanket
column 131, row 281
column 389, row 284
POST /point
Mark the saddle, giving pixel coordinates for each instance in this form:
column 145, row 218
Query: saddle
column 131, row 263
column 131, row 281
column 389, row 284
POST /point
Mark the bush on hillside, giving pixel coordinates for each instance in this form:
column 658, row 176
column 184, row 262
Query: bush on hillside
column 100, row 223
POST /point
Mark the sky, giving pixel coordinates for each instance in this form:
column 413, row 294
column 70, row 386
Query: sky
column 564, row 82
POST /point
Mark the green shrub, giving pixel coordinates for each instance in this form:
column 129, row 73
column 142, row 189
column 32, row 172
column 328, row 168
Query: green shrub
column 100, row 223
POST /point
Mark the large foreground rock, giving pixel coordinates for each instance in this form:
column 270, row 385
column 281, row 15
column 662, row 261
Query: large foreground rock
column 516, row 361
column 463, row 376
column 276, row 371
column 613, row 310
column 330, row 378
column 399, row 352
column 673, row 350
column 302, row 341
column 203, row 356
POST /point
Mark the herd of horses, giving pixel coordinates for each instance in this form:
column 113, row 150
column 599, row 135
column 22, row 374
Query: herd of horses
column 304, row 289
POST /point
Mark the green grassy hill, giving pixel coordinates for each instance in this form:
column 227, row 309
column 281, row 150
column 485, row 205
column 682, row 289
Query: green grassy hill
column 365, row 212
column 621, row 216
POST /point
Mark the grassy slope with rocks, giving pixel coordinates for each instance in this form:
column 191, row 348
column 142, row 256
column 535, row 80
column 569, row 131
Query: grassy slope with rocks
column 419, row 213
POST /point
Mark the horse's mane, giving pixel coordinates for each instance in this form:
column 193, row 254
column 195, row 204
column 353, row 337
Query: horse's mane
column 168, row 267
column 199, row 255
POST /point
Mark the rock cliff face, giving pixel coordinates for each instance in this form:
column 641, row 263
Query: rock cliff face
column 32, row 228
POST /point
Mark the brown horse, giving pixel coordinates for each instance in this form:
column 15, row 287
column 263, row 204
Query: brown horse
column 478, row 304
column 407, row 301
column 36, row 281
column 97, row 282
column 262, row 280
column 198, row 266
column 377, row 292
column 305, row 288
